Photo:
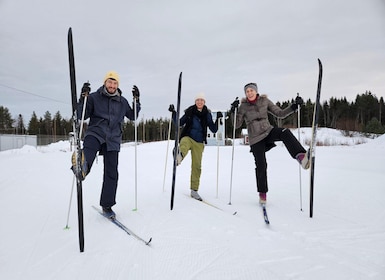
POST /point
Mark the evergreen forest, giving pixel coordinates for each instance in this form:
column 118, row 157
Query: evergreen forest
column 365, row 114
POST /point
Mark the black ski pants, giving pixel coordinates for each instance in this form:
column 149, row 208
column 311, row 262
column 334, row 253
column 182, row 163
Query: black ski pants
column 259, row 152
column 110, row 175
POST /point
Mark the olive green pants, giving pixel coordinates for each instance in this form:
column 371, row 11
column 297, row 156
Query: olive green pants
column 188, row 144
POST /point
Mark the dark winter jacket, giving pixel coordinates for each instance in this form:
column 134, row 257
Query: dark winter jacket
column 106, row 114
column 256, row 118
column 195, row 123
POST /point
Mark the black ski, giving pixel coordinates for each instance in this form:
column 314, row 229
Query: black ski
column 119, row 224
column 314, row 136
column 176, row 148
column 76, row 131
column 265, row 217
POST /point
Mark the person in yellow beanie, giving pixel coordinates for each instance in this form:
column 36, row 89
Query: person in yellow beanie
column 195, row 121
column 111, row 75
column 106, row 109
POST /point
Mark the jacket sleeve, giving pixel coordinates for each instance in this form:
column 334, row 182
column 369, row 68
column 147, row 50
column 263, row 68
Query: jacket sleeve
column 187, row 114
column 88, row 108
column 210, row 123
column 278, row 112
column 182, row 120
column 239, row 117
column 130, row 114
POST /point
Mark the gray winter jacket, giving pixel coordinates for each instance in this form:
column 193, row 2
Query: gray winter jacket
column 256, row 118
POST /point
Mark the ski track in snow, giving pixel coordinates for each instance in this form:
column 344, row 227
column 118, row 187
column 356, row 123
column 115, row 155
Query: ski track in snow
column 344, row 240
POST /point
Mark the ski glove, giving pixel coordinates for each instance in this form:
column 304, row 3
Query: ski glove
column 298, row 102
column 135, row 93
column 219, row 119
column 171, row 108
column 234, row 105
column 86, row 89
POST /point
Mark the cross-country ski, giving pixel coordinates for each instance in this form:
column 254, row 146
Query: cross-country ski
column 176, row 145
column 313, row 142
column 120, row 225
column 77, row 155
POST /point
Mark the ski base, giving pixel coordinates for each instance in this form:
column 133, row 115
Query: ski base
column 265, row 217
column 123, row 227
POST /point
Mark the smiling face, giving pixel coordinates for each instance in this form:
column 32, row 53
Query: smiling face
column 111, row 85
column 251, row 94
column 200, row 103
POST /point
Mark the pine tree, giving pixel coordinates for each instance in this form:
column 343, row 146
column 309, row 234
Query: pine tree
column 20, row 127
column 33, row 126
column 6, row 121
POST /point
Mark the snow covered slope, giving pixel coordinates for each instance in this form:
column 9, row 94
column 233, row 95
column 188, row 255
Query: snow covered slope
column 344, row 240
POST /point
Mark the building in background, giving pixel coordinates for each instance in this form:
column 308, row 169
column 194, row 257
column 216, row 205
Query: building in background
column 245, row 136
column 218, row 138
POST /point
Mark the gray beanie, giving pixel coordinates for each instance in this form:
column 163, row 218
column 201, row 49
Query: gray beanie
column 251, row 85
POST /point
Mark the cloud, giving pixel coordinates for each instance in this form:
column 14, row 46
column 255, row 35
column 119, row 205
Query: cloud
column 219, row 46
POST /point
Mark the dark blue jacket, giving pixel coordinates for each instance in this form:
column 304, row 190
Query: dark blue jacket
column 195, row 123
column 106, row 115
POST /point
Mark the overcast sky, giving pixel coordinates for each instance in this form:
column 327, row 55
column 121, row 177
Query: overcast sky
column 219, row 45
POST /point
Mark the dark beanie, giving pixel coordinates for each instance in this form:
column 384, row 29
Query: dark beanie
column 251, row 85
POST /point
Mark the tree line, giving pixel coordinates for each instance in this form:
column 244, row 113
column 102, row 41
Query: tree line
column 365, row 115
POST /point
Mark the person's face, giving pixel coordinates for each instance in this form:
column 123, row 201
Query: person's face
column 200, row 103
column 251, row 94
column 111, row 85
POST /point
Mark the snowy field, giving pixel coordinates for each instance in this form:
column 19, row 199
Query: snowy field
column 344, row 240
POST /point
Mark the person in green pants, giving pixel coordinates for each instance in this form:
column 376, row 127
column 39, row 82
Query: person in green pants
column 195, row 121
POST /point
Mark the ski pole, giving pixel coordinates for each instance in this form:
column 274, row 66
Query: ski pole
column 69, row 206
column 73, row 180
column 217, row 165
column 219, row 135
column 168, row 142
column 299, row 166
column 83, row 114
column 232, row 156
column 136, row 167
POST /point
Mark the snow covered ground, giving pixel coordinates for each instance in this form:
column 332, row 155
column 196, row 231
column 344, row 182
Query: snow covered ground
column 344, row 240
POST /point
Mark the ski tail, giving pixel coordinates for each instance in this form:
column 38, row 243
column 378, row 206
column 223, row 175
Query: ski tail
column 314, row 136
column 76, row 138
column 265, row 217
column 119, row 224
column 176, row 148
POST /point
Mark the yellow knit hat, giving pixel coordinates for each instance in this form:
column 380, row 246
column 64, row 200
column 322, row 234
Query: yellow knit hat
column 111, row 75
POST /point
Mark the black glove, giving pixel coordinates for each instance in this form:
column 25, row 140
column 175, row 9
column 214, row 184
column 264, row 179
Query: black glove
column 234, row 105
column 86, row 89
column 297, row 102
column 171, row 108
column 219, row 115
column 135, row 93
